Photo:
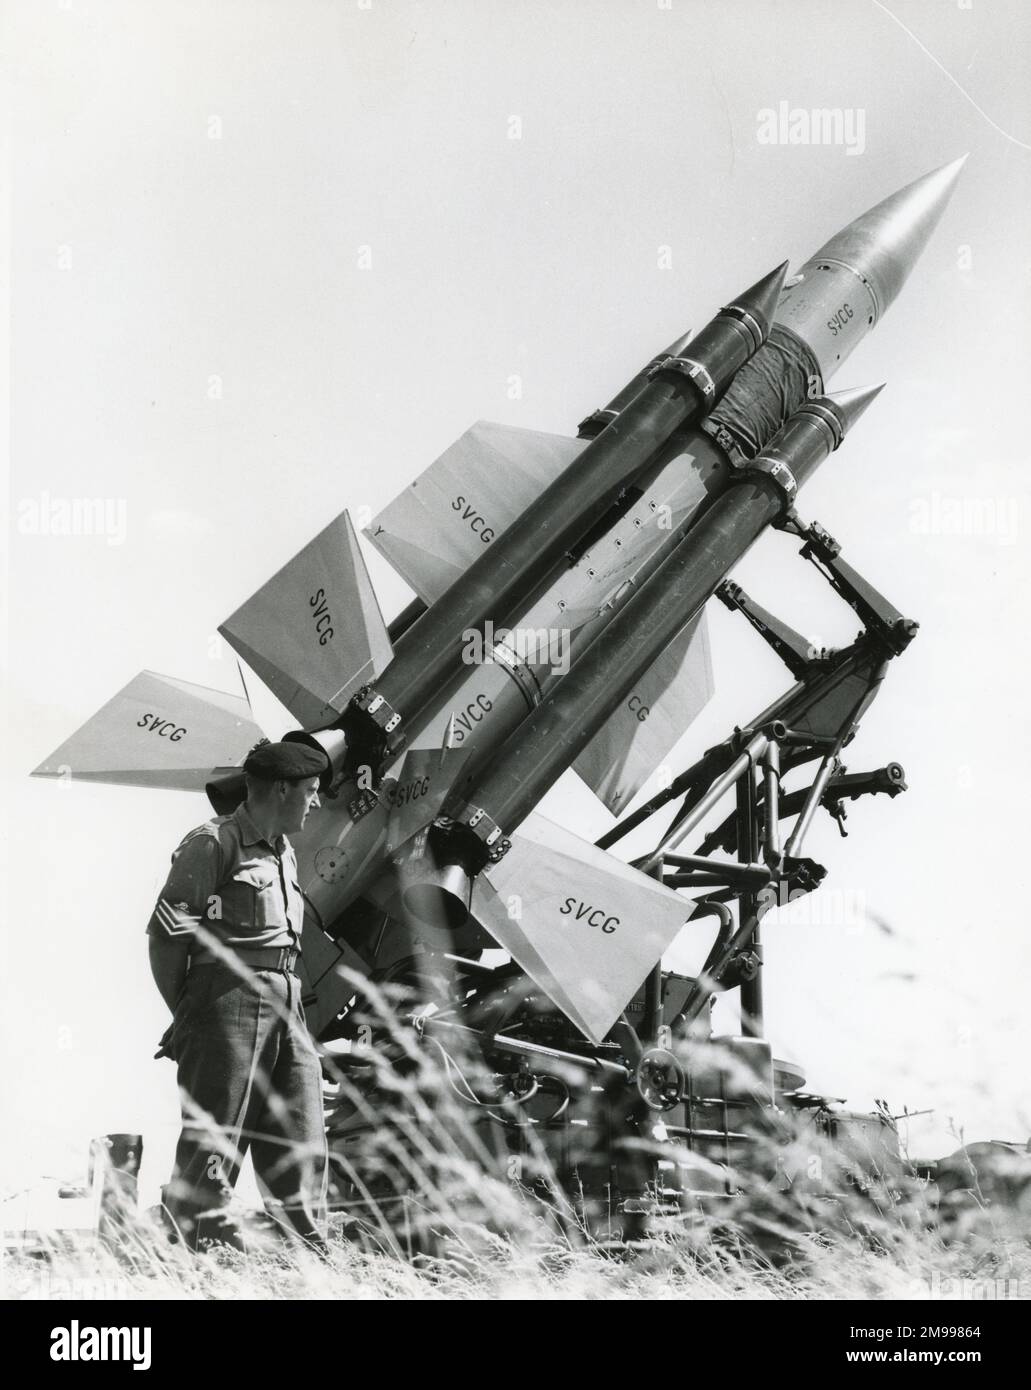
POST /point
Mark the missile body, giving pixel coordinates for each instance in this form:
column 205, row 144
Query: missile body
column 828, row 308
column 343, row 847
column 848, row 285
column 836, row 299
column 497, row 793
column 680, row 391
column 589, row 428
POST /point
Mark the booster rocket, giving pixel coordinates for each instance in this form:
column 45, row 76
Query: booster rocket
column 677, row 391
column 502, row 788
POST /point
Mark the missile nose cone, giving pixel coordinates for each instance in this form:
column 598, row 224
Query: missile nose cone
column 823, row 424
column 884, row 244
column 677, row 346
column 761, row 299
column 850, row 405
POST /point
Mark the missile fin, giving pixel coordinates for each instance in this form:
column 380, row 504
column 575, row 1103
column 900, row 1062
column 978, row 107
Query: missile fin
column 492, row 912
column 433, row 531
column 648, row 723
column 314, row 632
column 157, row 732
column 585, row 927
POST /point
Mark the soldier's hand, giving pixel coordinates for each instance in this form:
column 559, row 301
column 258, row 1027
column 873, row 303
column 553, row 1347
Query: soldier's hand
column 166, row 1047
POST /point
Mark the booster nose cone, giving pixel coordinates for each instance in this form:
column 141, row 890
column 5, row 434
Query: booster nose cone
column 593, row 425
column 851, row 404
column 678, row 345
column 844, row 289
column 760, row 300
column 837, row 412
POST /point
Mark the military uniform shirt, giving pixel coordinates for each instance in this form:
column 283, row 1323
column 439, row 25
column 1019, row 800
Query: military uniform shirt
column 227, row 879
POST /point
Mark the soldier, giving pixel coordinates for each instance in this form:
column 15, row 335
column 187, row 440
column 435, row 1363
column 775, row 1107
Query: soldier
column 224, row 942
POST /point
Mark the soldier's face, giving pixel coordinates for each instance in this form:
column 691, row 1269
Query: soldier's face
column 298, row 799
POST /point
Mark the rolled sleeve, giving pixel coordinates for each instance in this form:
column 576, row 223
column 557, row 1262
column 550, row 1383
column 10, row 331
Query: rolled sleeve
column 192, row 881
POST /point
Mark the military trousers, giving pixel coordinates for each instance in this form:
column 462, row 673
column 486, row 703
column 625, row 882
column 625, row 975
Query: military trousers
column 249, row 1080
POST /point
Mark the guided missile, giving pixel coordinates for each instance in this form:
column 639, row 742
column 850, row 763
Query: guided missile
column 427, row 540
column 678, row 391
column 830, row 305
column 494, row 796
column 611, row 540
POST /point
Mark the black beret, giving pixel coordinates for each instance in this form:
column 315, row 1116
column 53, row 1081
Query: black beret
column 275, row 761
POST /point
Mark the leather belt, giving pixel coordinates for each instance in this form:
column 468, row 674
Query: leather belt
column 259, row 957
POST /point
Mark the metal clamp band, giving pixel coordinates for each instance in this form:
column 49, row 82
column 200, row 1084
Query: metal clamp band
column 382, row 715
column 485, row 828
column 777, row 471
column 529, row 686
column 598, row 420
column 361, row 805
column 503, row 655
column 696, row 372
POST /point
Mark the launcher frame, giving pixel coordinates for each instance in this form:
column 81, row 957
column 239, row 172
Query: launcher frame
column 816, row 718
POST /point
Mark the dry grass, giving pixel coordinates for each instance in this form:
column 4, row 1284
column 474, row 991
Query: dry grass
column 445, row 1220
column 471, row 1265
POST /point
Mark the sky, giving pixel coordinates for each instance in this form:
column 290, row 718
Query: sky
column 267, row 260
